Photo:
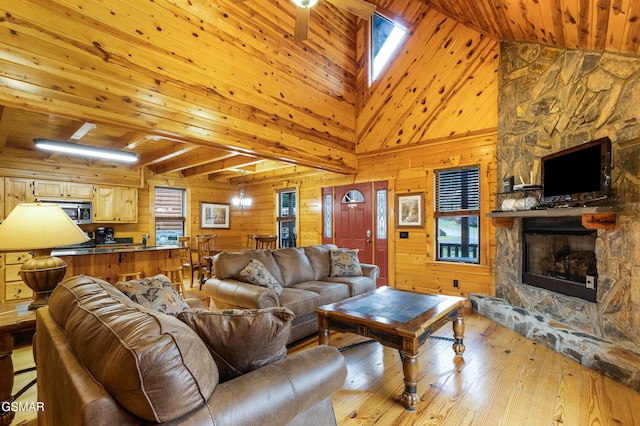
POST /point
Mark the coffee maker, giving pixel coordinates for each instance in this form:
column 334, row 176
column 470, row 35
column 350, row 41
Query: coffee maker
column 105, row 235
column 101, row 235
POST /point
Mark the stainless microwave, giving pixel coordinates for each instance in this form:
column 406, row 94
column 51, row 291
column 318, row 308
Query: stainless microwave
column 79, row 211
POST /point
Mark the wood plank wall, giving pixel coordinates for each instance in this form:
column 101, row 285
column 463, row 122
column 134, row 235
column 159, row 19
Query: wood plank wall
column 397, row 141
column 442, row 82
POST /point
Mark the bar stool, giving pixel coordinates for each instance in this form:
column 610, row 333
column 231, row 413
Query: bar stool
column 126, row 276
column 177, row 280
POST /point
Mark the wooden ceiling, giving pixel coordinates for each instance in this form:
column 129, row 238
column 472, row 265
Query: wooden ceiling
column 217, row 88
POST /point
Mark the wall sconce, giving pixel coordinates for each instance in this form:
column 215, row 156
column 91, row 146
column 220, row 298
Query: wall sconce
column 85, row 150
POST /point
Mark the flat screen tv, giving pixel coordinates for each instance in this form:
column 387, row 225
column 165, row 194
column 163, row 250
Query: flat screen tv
column 577, row 175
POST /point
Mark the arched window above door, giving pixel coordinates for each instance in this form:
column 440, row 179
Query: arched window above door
column 353, row 196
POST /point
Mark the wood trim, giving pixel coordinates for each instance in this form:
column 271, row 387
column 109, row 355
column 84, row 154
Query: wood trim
column 599, row 221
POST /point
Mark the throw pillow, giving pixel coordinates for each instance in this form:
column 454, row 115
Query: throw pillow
column 345, row 263
column 256, row 273
column 242, row 340
column 155, row 293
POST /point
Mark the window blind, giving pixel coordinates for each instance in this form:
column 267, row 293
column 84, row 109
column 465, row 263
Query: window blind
column 458, row 190
column 169, row 208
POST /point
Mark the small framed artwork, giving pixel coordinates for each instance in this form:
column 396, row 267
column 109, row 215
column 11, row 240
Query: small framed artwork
column 410, row 210
column 214, row 215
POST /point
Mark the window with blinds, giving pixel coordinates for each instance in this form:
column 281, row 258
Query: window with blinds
column 169, row 207
column 457, row 212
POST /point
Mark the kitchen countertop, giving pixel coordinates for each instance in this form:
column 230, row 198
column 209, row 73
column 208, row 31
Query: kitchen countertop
column 106, row 249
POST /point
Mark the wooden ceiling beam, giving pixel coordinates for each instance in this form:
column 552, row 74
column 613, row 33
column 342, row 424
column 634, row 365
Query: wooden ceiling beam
column 174, row 151
column 192, row 159
column 235, row 162
column 6, row 115
column 287, row 173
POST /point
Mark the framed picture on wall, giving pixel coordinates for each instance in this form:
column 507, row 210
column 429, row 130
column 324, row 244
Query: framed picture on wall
column 214, row 215
column 410, row 210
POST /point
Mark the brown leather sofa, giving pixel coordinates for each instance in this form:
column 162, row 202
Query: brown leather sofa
column 105, row 360
column 305, row 276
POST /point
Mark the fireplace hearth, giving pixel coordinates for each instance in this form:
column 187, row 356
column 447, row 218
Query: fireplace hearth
column 559, row 255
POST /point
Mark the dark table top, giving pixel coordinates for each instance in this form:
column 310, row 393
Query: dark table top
column 109, row 249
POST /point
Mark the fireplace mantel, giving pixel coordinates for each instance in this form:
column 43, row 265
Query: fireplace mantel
column 596, row 217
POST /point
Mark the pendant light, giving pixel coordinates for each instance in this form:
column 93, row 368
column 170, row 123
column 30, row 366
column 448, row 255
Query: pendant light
column 241, row 202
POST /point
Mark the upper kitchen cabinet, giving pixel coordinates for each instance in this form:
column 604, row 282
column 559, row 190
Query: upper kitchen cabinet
column 115, row 204
column 62, row 190
column 1, row 199
column 17, row 191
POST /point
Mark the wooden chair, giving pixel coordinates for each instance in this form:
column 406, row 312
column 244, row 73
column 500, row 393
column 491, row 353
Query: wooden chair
column 186, row 257
column 203, row 246
column 266, row 241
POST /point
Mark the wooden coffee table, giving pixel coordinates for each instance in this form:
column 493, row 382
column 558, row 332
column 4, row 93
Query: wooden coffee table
column 398, row 319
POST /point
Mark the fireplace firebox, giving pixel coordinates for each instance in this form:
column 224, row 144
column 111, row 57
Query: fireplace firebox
column 559, row 255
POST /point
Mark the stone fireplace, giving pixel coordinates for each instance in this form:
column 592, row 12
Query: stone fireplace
column 559, row 255
column 551, row 99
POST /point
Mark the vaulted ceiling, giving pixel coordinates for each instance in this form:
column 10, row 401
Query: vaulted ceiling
column 218, row 88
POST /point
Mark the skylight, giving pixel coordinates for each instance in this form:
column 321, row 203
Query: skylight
column 386, row 36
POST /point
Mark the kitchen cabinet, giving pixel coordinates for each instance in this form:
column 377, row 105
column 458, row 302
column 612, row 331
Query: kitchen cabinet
column 14, row 288
column 17, row 191
column 1, row 199
column 62, row 190
column 115, row 204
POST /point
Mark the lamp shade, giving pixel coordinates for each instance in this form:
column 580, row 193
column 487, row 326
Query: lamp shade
column 38, row 226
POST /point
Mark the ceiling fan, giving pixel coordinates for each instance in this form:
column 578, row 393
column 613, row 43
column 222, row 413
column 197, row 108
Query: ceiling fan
column 360, row 8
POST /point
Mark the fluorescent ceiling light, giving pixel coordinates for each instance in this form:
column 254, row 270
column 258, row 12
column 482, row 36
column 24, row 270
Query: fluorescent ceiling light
column 86, row 151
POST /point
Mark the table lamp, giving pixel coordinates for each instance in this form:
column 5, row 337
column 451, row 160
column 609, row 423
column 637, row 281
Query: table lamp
column 37, row 228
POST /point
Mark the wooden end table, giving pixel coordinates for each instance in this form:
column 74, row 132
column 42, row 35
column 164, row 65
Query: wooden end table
column 398, row 319
column 14, row 317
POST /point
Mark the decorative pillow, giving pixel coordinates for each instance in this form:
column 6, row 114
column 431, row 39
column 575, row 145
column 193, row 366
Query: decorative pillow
column 344, row 263
column 256, row 273
column 155, row 293
column 242, row 340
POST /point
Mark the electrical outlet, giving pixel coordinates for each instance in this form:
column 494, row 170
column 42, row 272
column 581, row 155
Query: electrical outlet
column 591, row 282
column 455, row 283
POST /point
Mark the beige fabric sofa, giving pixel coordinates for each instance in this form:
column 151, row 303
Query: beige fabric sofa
column 105, row 360
column 303, row 272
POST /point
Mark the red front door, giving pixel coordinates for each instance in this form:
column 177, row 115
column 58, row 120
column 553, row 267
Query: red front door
column 360, row 217
column 354, row 219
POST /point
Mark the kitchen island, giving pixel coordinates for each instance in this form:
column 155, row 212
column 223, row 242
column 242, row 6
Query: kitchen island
column 106, row 262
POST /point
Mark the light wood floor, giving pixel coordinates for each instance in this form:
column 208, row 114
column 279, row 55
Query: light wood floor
column 502, row 379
